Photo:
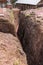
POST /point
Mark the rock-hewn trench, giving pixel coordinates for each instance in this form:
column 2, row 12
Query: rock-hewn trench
column 31, row 36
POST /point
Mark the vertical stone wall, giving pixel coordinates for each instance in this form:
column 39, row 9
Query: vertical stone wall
column 16, row 17
column 30, row 33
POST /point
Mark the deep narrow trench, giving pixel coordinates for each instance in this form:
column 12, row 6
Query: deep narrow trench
column 30, row 36
column 29, row 33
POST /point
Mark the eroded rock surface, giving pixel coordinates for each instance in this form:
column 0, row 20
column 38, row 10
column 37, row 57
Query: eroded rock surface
column 30, row 33
column 11, row 52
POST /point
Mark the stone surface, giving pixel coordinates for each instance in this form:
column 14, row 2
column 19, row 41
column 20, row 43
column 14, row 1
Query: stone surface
column 30, row 33
column 11, row 52
column 16, row 17
column 10, row 17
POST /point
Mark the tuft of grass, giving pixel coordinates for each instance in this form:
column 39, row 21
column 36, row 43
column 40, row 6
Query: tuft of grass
column 17, row 62
column 27, row 15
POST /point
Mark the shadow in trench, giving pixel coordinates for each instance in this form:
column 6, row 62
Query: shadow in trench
column 29, row 34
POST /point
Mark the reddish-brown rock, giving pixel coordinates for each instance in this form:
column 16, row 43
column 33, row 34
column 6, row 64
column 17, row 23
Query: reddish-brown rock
column 30, row 33
column 11, row 52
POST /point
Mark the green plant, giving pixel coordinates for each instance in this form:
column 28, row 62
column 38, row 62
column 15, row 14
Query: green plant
column 17, row 62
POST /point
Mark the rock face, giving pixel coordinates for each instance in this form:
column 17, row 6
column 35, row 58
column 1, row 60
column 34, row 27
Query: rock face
column 7, row 27
column 16, row 18
column 9, row 21
column 11, row 52
column 30, row 33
